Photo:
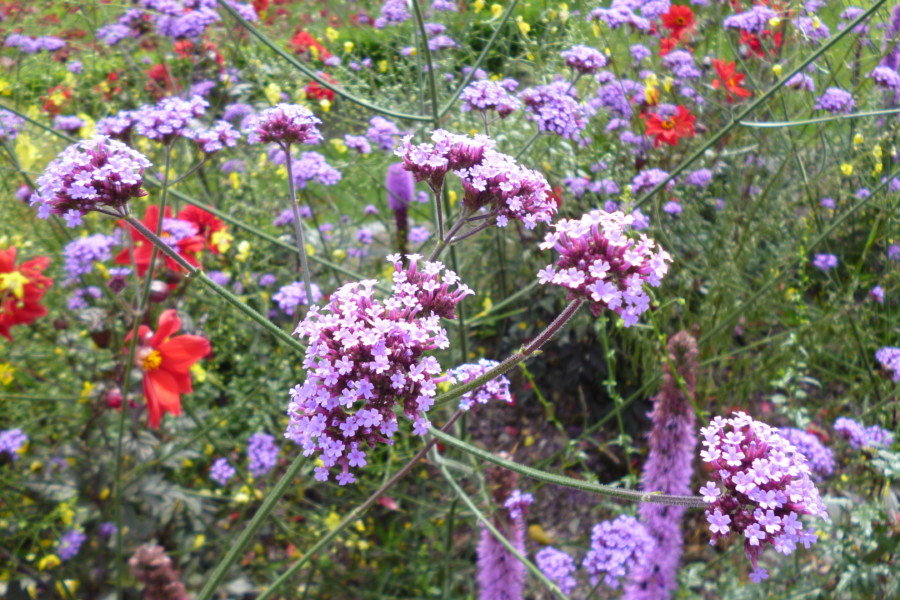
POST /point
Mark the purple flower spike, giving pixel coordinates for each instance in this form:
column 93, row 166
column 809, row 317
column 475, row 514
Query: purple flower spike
column 764, row 486
column 835, row 100
column 92, row 174
column 285, row 124
column 400, row 187
column 602, row 262
column 890, row 361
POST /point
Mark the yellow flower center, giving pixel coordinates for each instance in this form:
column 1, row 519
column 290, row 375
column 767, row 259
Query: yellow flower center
column 152, row 361
column 13, row 282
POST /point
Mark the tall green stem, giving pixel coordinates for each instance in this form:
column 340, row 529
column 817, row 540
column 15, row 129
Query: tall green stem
column 298, row 226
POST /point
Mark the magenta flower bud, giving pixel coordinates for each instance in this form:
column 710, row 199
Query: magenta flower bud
column 400, row 187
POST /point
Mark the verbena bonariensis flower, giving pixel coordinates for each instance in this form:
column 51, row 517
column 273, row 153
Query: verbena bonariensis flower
column 218, row 137
column 825, row 262
column 152, row 566
column 501, row 576
column 495, row 389
column 221, row 471
column 285, row 124
column 760, row 486
column 555, row 109
column 447, row 152
column 21, row 290
column 584, row 59
column 859, row 436
column 311, row 166
column 617, row 548
column 70, row 544
column 672, row 442
column 82, row 253
column 11, row 441
column 754, row 20
column 835, row 100
column 602, row 261
column 168, row 118
column 490, row 95
column 95, row 174
column 262, row 453
column 68, row 123
column 181, row 236
column 890, row 361
column 10, row 125
column 393, row 12
column 117, row 126
column 819, row 457
column 364, row 357
column 558, row 567
column 293, row 295
column 508, row 190
column 165, row 362
column 382, row 132
column 886, row 77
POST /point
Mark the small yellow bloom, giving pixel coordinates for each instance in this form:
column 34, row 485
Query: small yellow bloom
column 529, row 441
column 383, row 65
column 198, row 372
column 235, row 180
column 222, row 239
column 273, row 93
column 332, row 520
column 310, row 249
column 325, row 104
column 332, row 34
column 878, row 168
column 537, row 533
column 359, row 525
column 86, row 388
column 776, row 70
column 774, row 22
column 339, row 145
column 452, row 196
column 858, row 139
column 523, row 26
column 877, row 151
column 27, row 152
column 48, row 562
column 66, row 514
column 243, row 251
column 7, row 373
column 847, row 169
column 339, row 254
column 348, row 47
column 5, row 88
column 314, row 52
column 595, row 28
column 496, row 11
column 243, row 495
column 478, row 6
column 104, row 493
column 816, row 23
column 199, row 540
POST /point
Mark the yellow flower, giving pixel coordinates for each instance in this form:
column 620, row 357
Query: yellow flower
column 273, row 93
column 5, row 88
column 7, row 373
column 86, row 388
column 325, row 103
column 243, row 251
column 222, row 239
column 497, row 10
column 199, row 540
column 48, row 562
column 235, row 180
column 858, row 139
column 332, row 34
column 847, row 169
column 14, row 282
column 339, row 145
column 27, row 152
column 332, row 520
column 348, row 47
column 523, row 26
column 776, row 70
column 198, row 372
column 478, row 6
column 876, row 151
column 383, row 65
column 451, row 196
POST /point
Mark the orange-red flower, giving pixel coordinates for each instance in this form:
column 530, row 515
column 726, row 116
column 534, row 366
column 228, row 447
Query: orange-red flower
column 729, row 80
column 679, row 20
column 206, row 222
column 670, row 129
column 186, row 242
column 315, row 91
column 21, row 290
column 304, row 43
column 166, row 362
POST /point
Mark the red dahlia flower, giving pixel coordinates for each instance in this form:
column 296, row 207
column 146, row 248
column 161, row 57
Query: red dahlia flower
column 671, row 129
column 21, row 290
column 729, row 80
column 182, row 236
column 679, row 20
column 166, row 362
column 206, row 222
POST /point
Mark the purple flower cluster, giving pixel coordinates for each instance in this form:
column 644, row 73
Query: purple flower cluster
column 11, row 441
column 765, row 487
column 886, row 77
column 495, row 389
column 825, row 262
column 558, row 567
column 221, row 471
column 168, row 118
column 262, row 453
column 70, row 544
column 32, row 45
column 285, row 124
column 358, row 143
column 602, row 262
column 399, row 184
column 311, row 166
column 488, row 95
column 293, row 295
column 365, row 356
column 860, row 436
column 448, row 152
column 99, row 173
column 393, row 12
column 620, row 13
column 699, row 178
column 555, row 109
column 890, row 360
column 10, row 125
column 646, row 180
column 819, row 456
column 754, row 20
column 617, row 548
column 584, row 59
column 117, row 126
column 835, row 100
column 179, row 22
column 218, row 137
column 82, row 253
column 68, row 123
column 382, row 133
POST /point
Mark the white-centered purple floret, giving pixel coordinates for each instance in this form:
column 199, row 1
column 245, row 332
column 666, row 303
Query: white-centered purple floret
column 617, row 548
column 488, row 95
column 496, row 389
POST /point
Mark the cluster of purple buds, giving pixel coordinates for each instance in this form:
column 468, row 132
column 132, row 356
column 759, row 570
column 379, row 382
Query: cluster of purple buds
column 886, row 77
column 293, row 295
column 262, row 453
column 31, row 45
column 70, row 544
column 168, row 118
column 558, row 567
column 889, row 358
column 218, row 137
column 491, row 95
column 754, row 20
column 760, row 486
column 285, row 124
column 11, row 441
column 495, row 389
column 312, row 166
column 447, row 152
column 835, row 100
column 617, row 548
column 364, row 357
column 555, row 109
column 584, row 59
column 99, row 173
column 68, row 123
column 117, row 126
column 819, row 456
column 10, row 125
column 860, row 436
column 82, row 253
column 221, row 471
column 382, row 132
column 825, row 262
column 602, row 262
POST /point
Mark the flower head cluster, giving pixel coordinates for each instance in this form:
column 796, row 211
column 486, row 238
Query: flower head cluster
column 382, row 132
column 168, row 118
column 889, row 358
column 601, row 261
column 92, row 174
column 285, row 124
column 860, row 436
column 488, row 95
column 218, row 137
column 447, row 152
column 364, row 357
column 82, row 253
column 68, row 123
column 558, row 567
column 495, row 389
column 760, row 486
column 117, row 126
column 835, row 100
column 393, row 12
column 262, row 452
column 825, row 262
column 886, row 77
column 70, row 544
column 819, row 456
column 11, row 441
column 221, row 471
column 617, row 547
column 293, row 295
column 501, row 576
column 311, row 166
column 555, row 109
column 32, row 45
column 10, row 125
column 754, row 20
column 584, row 59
